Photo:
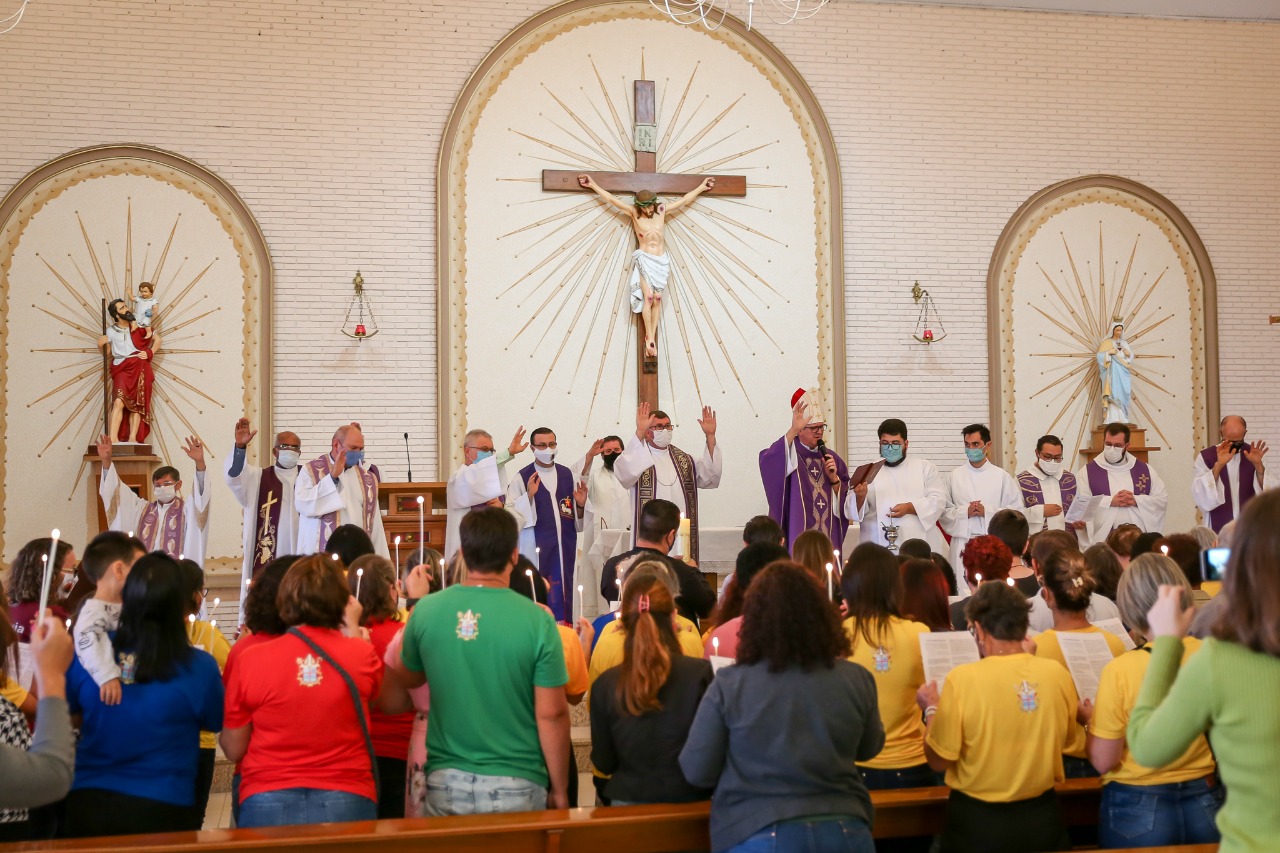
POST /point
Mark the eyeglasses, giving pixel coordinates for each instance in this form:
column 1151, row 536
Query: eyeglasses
column 288, row 447
column 548, row 446
column 476, row 447
column 816, row 427
column 664, row 428
column 891, row 444
column 1057, row 458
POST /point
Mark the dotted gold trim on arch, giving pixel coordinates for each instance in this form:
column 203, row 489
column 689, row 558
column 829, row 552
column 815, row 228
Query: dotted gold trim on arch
column 451, row 197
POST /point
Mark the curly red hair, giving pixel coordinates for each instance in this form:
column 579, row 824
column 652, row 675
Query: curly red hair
column 986, row 556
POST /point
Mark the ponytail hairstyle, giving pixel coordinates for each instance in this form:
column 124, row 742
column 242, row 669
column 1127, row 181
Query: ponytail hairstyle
column 648, row 608
column 377, row 586
column 1067, row 576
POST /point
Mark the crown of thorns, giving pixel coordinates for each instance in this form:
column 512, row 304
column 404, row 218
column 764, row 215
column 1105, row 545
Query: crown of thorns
column 645, row 198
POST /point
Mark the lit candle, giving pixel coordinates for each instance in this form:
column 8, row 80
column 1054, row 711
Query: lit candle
column 335, row 557
column 532, row 592
column 444, row 580
column 715, row 646
column 398, row 555
column 1164, row 549
column 359, row 578
column 1010, row 581
column 216, row 602
column 192, row 619
column 422, row 521
column 831, row 586
column 48, row 573
column 68, row 624
column 182, row 556
column 130, row 534
column 213, row 623
column 684, row 535
column 977, row 576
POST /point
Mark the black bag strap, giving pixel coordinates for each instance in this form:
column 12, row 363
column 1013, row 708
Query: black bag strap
column 355, row 699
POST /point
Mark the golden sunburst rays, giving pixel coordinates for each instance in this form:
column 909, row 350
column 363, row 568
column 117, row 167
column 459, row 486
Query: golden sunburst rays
column 1079, row 319
column 78, row 287
column 576, row 255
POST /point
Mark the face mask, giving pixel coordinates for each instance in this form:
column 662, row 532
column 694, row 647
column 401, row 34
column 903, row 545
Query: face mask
column 164, row 494
column 1053, row 469
column 482, row 455
column 546, row 457
column 288, row 458
column 1114, row 455
column 609, row 459
column 354, row 458
column 662, row 438
column 975, row 454
column 891, row 453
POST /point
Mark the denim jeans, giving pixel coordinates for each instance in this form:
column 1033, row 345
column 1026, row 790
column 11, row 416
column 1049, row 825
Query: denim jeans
column 1158, row 815
column 847, row 835
column 297, row 806
column 459, row 792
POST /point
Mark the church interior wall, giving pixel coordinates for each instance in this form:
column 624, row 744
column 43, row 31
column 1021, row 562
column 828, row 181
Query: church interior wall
column 326, row 120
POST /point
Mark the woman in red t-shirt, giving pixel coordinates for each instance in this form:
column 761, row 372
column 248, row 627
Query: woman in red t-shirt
column 372, row 579
column 291, row 720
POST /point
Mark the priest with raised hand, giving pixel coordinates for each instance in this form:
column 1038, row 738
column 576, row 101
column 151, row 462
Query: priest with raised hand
column 1131, row 491
column 608, row 507
column 805, row 482
column 336, row 489
column 1047, row 490
column 652, row 467
column 549, row 537
column 1228, row 475
column 481, row 482
column 907, row 495
column 266, row 496
column 976, row 491
column 169, row 522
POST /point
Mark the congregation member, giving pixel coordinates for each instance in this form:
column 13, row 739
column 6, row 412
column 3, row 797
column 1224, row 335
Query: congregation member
column 1046, row 544
column 1011, row 527
column 1226, row 476
column 726, row 621
column 338, row 488
column 497, row 744
column 1143, row 806
column 641, row 709
column 1131, row 491
column 107, row 562
column 998, row 731
column 813, row 550
column 907, row 496
column 1185, row 552
column 651, row 467
column 266, row 495
column 550, row 534
column 611, row 641
column 126, row 783
column 40, row 771
column 791, row 696
column 482, row 481
column 887, row 645
column 985, row 559
column 349, row 543
column 1205, row 537
column 262, row 621
column 924, row 594
column 759, row 528
column 1120, row 541
column 1047, row 489
column 319, row 677
column 976, row 491
column 15, row 823
column 608, row 507
column 657, row 528
column 1145, row 543
column 26, row 575
column 426, row 562
column 805, row 482
column 1221, row 690
column 205, row 636
column 1104, row 567
column 169, row 522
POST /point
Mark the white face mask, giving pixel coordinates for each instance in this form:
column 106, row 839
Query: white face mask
column 165, row 494
column 1053, row 469
column 662, row 438
column 288, row 458
column 545, row 456
column 1113, row 454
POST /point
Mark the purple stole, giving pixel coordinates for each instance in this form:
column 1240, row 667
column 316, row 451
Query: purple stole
column 1033, row 495
column 1100, row 483
column 806, row 499
column 369, row 487
column 169, row 539
column 687, row 471
column 559, row 577
column 1248, row 474
column 270, row 499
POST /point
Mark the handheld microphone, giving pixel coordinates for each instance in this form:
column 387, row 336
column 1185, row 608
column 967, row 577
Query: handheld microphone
column 407, row 460
column 822, row 448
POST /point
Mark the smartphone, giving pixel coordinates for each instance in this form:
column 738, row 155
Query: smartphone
column 1213, row 563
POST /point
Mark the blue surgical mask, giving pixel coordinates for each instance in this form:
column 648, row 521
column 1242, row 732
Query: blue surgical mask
column 354, row 458
column 891, row 453
column 482, row 455
column 975, row 454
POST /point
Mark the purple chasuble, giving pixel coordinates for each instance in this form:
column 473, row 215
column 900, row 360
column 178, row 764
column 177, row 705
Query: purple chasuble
column 267, row 521
column 804, row 499
column 560, row 577
column 170, row 538
column 1219, row 516
column 1033, row 494
column 1100, row 482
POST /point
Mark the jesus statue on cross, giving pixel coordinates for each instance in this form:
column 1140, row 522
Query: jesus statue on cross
column 650, row 264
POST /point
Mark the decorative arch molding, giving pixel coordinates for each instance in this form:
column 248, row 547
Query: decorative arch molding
column 452, row 195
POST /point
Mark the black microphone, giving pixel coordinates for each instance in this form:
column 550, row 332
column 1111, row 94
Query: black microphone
column 407, row 460
column 822, row 448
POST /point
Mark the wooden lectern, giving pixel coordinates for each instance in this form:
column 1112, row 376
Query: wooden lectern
column 399, row 501
column 134, row 464
column 1138, row 446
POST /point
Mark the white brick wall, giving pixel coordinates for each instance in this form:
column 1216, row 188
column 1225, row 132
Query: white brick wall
column 326, row 118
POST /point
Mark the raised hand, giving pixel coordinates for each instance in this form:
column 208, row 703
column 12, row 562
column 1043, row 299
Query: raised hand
column 799, row 419
column 351, row 617
column 644, row 420
column 418, row 583
column 1256, row 451
column 1169, row 617
column 580, row 494
column 244, row 434
column 338, row 465
column 104, row 451
column 518, row 444
column 1226, row 452
column 194, row 448
column 708, row 421
column 535, row 482
column 596, row 448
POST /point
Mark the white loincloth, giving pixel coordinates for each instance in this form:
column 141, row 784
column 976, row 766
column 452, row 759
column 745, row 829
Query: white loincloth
column 656, row 269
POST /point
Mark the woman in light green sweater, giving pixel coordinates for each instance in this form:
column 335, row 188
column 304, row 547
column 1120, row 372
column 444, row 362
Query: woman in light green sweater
column 1230, row 690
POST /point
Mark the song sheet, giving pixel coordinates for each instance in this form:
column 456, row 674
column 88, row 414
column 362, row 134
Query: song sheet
column 945, row 650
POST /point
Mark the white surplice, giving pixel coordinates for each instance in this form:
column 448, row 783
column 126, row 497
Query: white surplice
column 608, row 508
column 346, row 497
column 244, row 488
column 1148, row 514
column 1051, row 492
column 549, row 478
column 125, row 510
column 988, row 483
column 913, row 480
column 474, row 484
column 639, row 456
column 1207, row 490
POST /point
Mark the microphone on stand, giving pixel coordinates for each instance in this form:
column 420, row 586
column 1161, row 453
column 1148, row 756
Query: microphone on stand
column 407, row 460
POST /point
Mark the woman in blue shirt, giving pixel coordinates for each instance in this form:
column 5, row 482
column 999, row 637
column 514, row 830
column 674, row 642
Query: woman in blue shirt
column 136, row 761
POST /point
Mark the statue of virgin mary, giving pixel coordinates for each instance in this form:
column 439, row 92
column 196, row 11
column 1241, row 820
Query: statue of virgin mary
column 1114, row 357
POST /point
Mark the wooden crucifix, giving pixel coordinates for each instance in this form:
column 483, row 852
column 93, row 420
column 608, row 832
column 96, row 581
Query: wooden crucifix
column 645, row 177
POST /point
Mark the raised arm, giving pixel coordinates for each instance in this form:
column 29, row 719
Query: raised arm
column 611, row 199
column 688, row 197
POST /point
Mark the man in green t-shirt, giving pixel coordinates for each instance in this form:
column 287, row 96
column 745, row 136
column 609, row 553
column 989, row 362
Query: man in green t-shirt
column 498, row 729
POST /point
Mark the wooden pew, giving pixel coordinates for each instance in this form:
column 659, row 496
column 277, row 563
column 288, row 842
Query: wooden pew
column 631, row 829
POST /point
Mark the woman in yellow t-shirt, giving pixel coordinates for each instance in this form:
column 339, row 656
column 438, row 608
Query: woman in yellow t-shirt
column 1142, row 807
column 888, row 647
column 998, row 730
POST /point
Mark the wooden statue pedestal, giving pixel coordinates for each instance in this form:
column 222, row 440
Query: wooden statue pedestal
column 134, row 464
column 1138, row 447
column 399, row 503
